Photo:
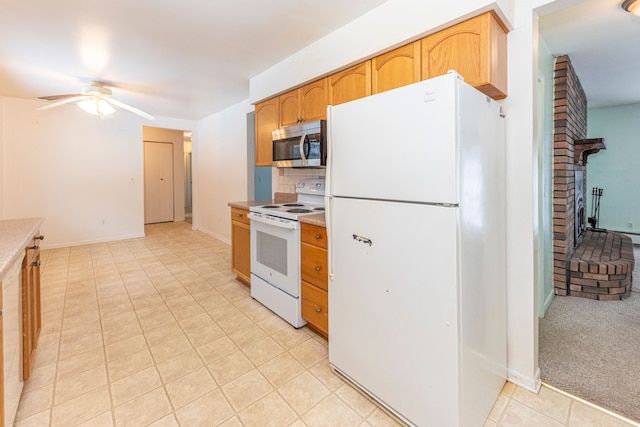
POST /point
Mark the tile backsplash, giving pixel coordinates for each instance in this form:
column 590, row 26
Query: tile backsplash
column 284, row 180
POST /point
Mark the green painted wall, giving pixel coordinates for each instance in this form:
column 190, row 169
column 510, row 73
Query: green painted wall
column 617, row 169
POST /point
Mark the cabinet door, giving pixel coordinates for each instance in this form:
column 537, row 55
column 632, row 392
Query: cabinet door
column 241, row 244
column 289, row 108
column 266, row 122
column 350, row 84
column 476, row 49
column 313, row 101
column 400, row 67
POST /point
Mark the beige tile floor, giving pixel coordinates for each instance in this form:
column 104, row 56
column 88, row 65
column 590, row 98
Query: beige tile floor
column 155, row 331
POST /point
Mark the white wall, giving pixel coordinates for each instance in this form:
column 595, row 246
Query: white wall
column 84, row 175
column 220, row 168
column 615, row 169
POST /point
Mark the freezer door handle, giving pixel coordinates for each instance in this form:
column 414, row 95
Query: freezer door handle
column 362, row 239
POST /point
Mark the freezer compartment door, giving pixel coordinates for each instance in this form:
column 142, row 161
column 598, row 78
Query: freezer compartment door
column 409, row 131
column 393, row 322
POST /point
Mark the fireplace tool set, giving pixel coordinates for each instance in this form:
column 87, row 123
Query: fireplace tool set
column 596, row 194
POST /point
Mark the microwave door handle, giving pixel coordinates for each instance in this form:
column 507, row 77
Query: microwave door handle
column 303, row 140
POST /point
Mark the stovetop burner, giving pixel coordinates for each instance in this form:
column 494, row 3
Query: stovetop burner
column 310, row 201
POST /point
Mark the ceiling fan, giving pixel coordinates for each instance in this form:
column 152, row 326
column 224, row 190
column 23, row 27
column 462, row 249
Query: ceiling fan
column 93, row 98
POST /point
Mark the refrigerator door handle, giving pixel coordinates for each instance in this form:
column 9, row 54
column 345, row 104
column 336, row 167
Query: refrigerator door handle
column 328, row 223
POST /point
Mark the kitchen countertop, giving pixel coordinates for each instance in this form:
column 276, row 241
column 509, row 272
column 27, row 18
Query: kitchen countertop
column 15, row 234
column 316, row 219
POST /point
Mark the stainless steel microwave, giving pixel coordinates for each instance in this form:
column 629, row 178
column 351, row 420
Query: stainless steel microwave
column 301, row 146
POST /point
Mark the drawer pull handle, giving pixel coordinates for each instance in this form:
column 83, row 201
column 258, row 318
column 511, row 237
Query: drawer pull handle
column 36, row 264
column 317, row 236
column 317, row 268
column 40, row 237
column 34, row 247
column 318, row 310
column 239, row 215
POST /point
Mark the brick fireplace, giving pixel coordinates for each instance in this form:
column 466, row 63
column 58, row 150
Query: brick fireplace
column 587, row 263
column 570, row 124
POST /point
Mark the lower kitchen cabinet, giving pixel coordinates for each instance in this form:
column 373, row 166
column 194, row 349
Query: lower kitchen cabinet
column 315, row 296
column 31, row 311
column 241, row 244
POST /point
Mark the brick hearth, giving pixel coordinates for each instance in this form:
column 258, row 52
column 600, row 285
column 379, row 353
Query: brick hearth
column 601, row 266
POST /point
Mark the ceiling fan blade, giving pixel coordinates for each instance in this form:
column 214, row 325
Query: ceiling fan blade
column 56, row 97
column 130, row 108
column 62, row 102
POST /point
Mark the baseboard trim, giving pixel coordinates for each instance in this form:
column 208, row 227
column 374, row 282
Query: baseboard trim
column 526, row 382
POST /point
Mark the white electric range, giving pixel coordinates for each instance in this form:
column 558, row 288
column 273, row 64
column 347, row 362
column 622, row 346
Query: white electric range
column 275, row 250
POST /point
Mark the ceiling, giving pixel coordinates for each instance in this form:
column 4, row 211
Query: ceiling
column 601, row 40
column 183, row 59
column 191, row 58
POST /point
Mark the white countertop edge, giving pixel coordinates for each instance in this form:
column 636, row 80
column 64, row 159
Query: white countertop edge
column 15, row 234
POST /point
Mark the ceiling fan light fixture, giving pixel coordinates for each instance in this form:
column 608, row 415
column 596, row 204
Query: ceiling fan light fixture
column 97, row 107
column 632, row 6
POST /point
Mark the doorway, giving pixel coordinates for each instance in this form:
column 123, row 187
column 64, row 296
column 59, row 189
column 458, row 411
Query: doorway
column 158, row 182
column 166, row 148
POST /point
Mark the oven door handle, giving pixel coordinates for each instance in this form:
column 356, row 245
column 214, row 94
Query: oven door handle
column 277, row 222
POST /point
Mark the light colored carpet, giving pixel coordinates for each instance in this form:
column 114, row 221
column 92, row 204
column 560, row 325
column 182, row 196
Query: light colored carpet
column 591, row 349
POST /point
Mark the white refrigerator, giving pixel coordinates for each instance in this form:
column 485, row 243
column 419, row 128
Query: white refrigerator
column 416, row 222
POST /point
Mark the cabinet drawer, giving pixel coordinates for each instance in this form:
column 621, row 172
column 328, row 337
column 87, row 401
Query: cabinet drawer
column 315, row 305
column 313, row 234
column 314, row 265
column 240, row 215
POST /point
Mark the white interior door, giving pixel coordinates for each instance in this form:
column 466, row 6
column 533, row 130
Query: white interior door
column 158, row 182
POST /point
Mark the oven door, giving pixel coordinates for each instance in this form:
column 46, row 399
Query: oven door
column 275, row 252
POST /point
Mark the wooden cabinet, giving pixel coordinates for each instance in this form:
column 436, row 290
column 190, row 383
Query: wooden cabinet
column 303, row 104
column 315, row 296
column 267, row 120
column 476, row 49
column 399, row 67
column 350, row 84
column 31, row 311
column 241, row 244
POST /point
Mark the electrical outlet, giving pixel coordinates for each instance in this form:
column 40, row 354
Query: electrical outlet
column 630, row 224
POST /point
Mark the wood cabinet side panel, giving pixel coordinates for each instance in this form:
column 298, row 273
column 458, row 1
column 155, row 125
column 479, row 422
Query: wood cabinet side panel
column 266, row 121
column 241, row 250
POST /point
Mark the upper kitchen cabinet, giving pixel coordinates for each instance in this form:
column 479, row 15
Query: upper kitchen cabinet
column 350, row 84
column 399, row 67
column 303, row 104
column 266, row 121
column 476, row 49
